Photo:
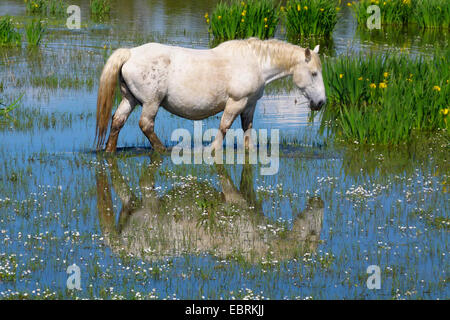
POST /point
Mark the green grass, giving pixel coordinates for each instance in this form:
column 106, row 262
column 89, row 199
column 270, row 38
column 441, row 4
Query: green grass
column 425, row 13
column 310, row 17
column 6, row 109
column 8, row 32
column 239, row 20
column 432, row 14
column 100, row 9
column 56, row 8
column 382, row 100
column 34, row 31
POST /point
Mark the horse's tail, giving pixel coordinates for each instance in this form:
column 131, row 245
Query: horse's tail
column 108, row 82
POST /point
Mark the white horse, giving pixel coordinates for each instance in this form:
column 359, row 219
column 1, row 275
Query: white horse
column 196, row 84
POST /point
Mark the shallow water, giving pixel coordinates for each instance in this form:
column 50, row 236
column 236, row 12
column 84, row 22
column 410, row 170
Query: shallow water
column 140, row 226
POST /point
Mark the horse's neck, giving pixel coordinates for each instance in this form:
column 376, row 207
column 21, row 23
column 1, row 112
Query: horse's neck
column 271, row 72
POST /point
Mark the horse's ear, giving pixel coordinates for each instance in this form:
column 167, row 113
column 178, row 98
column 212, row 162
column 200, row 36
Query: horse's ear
column 307, row 55
column 316, row 49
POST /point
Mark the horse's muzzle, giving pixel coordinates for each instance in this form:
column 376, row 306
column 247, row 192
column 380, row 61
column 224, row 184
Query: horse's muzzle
column 316, row 106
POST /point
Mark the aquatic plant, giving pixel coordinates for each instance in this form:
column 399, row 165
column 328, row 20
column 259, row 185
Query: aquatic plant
column 432, row 14
column 56, row 8
column 426, row 14
column 8, row 33
column 5, row 109
column 34, row 31
column 383, row 99
column 100, row 9
column 236, row 20
column 310, row 17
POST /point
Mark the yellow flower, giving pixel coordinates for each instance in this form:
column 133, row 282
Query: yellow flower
column 322, row 9
column 299, row 8
column 373, row 85
column 444, row 111
column 282, row 8
column 383, row 85
column 219, row 17
column 265, row 19
column 341, row 76
column 243, row 13
column 305, row 7
column 206, row 15
column 437, row 88
column 349, row 4
column 409, row 80
column 337, row 8
column 360, row 78
column 207, row 20
column 386, row 74
column 266, row 26
column 242, row 3
column 242, row 20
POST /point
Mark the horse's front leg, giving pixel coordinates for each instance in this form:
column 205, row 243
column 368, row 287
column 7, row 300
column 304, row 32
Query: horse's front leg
column 147, row 125
column 232, row 109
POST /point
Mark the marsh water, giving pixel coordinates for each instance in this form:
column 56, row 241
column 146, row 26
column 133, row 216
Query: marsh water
column 139, row 226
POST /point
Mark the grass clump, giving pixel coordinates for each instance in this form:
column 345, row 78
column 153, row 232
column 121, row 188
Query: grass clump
column 57, row 8
column 8, row 32
column 34, row 31
column 239, row 20
column 432, row 14
column 6, row 109
column 310, row 17
column 381, row 100
column 100, row 9
column 425, row 13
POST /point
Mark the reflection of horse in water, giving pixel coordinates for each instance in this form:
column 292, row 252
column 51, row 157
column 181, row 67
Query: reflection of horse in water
column 193, row 217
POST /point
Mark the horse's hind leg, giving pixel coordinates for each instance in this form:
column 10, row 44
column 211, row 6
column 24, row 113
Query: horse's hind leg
column 119, row 118
column 147, row 125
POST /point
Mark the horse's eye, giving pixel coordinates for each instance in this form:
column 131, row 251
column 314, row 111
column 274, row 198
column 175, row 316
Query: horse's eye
column 314, row 74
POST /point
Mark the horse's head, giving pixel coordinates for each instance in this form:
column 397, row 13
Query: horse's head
column 307, row 76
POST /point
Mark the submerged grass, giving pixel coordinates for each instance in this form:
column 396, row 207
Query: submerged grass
column 425, row 13
column 310, row 17
column 382, row 100
column 236, row 20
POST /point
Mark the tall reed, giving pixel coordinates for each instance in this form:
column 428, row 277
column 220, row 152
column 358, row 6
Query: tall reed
column 425, row 13
column 34, row 31
column 100, row 9
column 56, row 8
column 310, row 17
column 382, row 100
column 8, row 32
column 239, row 19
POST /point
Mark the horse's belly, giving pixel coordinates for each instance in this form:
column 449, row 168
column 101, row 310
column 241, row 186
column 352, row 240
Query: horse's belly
column 195, row 107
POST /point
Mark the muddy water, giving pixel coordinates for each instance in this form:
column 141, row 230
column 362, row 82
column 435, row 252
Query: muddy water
column 139, row 226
